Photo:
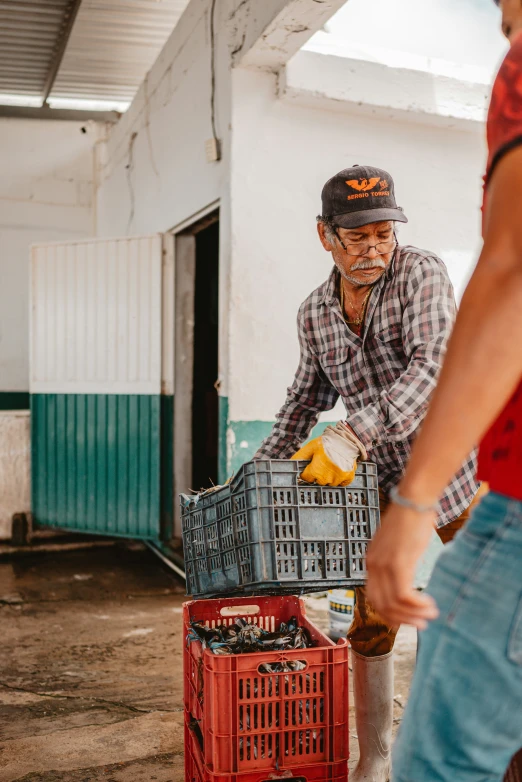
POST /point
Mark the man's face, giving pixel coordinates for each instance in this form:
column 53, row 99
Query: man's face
column 369, row 251
column 511, row 18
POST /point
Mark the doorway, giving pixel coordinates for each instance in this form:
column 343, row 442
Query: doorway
column 196, row 403
column 205, row 423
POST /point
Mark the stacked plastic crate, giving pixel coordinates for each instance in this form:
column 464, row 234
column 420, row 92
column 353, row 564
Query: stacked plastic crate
column 265, row 538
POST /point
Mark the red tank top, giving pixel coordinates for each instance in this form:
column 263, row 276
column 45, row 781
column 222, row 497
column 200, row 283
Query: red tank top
column 500, row 452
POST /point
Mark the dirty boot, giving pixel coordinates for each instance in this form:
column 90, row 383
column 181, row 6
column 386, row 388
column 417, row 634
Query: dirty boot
column 373, row 693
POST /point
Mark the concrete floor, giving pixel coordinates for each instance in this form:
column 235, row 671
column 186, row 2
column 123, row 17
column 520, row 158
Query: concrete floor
column 91, row 670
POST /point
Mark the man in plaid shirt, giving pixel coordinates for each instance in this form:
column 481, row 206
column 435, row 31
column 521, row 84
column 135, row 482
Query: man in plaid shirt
column 373, row 334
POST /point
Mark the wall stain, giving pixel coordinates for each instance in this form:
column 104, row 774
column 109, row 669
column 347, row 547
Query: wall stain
column 238, row 48
column 240, row 6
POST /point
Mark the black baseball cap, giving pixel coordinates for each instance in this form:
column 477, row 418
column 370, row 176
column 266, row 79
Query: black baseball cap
column 360, row 195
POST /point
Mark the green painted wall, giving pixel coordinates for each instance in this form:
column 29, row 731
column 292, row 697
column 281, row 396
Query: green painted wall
column 14, row 400
column 223, row 467
column 96, row 463
column 247, row 436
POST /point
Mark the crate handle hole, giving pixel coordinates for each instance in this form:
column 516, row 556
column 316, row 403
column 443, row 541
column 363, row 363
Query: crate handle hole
column 286, row 779
column 302, row 669
column 251, row 610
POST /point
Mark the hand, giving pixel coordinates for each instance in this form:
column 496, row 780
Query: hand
column 392, row 558
column 333, row 456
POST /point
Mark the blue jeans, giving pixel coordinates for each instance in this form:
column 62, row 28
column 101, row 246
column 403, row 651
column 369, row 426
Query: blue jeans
column 463, row 721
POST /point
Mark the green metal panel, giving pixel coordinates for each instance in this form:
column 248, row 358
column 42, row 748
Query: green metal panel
column 246, row 438
column 97, row 463
column 223, row 422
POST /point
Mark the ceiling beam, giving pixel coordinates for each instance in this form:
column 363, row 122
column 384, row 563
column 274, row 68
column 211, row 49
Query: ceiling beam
column 82, row 115
column 266, row 35
column 60, row 46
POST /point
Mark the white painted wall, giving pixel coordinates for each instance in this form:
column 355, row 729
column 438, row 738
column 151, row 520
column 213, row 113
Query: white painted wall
column 282, row 155
column 46, row 194
column 390, row 93
column 154, row 173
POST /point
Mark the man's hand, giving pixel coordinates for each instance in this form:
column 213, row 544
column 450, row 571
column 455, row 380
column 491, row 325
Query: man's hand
column 333, row 456
column 392, row 559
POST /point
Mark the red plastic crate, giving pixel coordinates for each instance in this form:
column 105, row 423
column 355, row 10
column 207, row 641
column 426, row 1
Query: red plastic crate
column 195, row 770
column 253, row 721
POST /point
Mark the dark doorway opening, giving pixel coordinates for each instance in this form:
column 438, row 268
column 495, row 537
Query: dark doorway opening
column 205, row 410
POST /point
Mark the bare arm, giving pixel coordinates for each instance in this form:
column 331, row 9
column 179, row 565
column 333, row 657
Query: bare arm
column 482, row 368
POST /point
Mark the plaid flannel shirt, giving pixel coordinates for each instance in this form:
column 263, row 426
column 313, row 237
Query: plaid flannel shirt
column 385, row 377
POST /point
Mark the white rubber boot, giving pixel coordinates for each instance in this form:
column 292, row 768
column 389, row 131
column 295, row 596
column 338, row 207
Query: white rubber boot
column 373, row 693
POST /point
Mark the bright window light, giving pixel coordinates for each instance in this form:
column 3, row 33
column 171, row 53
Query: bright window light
column 31, row 101
column 458, row 39
column 74, row 104
column 85, row 104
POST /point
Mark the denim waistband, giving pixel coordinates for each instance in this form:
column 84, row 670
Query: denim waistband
column 501, row 503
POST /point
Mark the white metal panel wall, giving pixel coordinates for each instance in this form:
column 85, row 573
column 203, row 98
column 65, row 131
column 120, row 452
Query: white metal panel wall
column 96, row 317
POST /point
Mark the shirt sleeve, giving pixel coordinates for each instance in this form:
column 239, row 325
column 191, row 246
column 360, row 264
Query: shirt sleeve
column 308, row 395
column 504, row 124
column 428, row 317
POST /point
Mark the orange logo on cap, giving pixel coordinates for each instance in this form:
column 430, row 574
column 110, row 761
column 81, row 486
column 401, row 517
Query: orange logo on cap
column 363, row 184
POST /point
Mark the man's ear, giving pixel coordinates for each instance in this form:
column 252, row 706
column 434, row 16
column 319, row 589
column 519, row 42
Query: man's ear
column 322, row 237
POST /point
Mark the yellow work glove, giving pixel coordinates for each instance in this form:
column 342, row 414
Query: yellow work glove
column 334, row 456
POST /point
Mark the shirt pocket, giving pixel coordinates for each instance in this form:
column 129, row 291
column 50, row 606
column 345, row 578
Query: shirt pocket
column 335, row 365
column 391, row 335
column 387, row 354
column 402, row 451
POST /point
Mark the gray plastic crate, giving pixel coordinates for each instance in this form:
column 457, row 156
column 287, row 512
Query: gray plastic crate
column 268, row 532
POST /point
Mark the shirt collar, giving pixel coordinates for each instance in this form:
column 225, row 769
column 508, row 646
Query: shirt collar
column 331, row 290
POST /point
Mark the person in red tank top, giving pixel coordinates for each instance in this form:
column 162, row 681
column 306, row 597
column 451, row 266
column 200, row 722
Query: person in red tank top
column 463, row 721
column 500, row 452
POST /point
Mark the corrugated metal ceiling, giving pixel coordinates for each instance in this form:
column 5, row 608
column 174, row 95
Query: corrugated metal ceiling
column 29, row 31
column 112, row 45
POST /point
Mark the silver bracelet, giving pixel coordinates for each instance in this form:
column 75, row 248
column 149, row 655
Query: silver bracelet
column 404, row 502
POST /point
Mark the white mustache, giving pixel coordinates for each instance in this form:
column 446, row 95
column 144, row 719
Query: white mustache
column 378, row 263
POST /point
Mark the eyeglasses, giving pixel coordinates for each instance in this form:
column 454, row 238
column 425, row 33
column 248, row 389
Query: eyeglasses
column 362, row 248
